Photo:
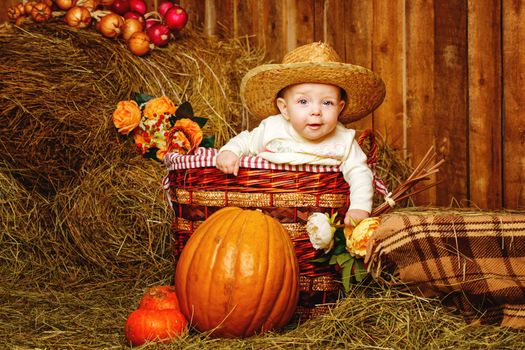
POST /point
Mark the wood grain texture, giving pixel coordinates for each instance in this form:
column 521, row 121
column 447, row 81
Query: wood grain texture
column 245, row 19
column 196, row 14
column 484, row 65
column 420, row 131
column 333, row 25
column 358, row 44
column 450, row 100
column 388, row 58
column 305, row 22
column 514, row 98
column 318, row 20
column 224, row 18
column 274, row 29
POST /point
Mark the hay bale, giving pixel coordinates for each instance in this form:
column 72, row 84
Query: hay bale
column 59, row 86
column 117, row 220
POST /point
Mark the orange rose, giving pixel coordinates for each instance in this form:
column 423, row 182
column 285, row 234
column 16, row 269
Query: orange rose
column 126, row 117
column 357, row 239
column 184, row 136
column 159, row 106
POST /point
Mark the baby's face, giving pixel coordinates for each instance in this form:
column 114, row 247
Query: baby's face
column 312, row 109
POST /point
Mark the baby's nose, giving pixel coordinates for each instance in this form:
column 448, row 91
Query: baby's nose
column 316, row 109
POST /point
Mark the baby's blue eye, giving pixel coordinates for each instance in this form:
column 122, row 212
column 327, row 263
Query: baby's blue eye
column 302, row 101
column 328, row 103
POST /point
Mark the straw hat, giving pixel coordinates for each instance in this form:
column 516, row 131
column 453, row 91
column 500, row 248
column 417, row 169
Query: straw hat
column 312, row 63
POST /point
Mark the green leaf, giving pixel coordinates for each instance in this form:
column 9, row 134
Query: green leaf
column 200, row 120
column 333, row 260
column 343, row 258
column 185, row 110
column 359, row 270
column 340, row 235
column 321, row 259
column 208, row 141
column 141, row 98
column 339, row 249
column 346, row 275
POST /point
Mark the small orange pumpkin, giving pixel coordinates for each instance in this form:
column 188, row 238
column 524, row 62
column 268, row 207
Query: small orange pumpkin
column 238, row 274
column 160, row 298
column 144, row 325
column 41, row 12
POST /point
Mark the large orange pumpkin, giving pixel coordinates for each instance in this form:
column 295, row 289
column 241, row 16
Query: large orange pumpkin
column 238, row 274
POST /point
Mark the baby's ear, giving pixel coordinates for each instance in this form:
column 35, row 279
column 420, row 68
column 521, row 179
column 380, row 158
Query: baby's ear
column 281, row 104
column 341, row 105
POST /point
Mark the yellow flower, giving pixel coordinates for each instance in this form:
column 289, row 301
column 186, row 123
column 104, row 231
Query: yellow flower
column 358, row 237
column 159, row 106
column 184, row 136
column 127, row 116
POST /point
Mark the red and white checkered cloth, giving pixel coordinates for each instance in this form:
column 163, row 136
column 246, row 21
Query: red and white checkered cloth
column 205, row 157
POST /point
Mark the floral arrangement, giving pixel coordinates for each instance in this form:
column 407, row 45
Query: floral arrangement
column 159, row 126
column 343, row 246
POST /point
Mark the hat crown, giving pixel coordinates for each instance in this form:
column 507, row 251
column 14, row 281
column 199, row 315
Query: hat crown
column 314, row 52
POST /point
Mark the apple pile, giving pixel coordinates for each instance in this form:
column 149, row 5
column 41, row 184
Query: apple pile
column 126, row 19
column 160, row 27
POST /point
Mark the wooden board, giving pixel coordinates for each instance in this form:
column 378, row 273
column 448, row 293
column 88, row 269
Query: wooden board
column 196, row 14
column 388, row 59
column 245, row 19
column 304, row 22
column 358, row 44
column 420, row 133
column 273, row 29
column 514, row 100
column 484, row 63
column 450, row 101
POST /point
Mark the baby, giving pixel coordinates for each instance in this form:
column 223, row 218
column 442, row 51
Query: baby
column 304, row 102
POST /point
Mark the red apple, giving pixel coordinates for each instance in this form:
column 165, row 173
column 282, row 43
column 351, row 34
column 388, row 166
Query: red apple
column 120, row 6
column 138, row 6
column 151, row 21
column 159, row 34
column 176, row 18
column 164, row 7
column 135, row 15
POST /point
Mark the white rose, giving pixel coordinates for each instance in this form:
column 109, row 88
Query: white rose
column 320, row 231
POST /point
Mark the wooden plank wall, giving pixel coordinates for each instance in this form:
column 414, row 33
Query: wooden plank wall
column 454, row 71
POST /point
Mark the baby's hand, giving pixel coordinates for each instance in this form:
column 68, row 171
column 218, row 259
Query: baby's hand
column 356, row 214
column 228, row 162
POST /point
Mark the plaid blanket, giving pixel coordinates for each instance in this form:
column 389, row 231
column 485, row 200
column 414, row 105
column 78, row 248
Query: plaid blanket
column 474, row 262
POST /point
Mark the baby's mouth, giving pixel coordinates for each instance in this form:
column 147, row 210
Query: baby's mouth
column 314, row 126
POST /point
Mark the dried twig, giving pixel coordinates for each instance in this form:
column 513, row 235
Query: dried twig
column 422, row 172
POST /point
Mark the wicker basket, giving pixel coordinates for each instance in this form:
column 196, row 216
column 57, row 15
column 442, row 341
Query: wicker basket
column 288, row 193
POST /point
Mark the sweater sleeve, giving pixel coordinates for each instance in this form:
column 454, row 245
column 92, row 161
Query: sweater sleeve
column 360, row 178
column 247, row 142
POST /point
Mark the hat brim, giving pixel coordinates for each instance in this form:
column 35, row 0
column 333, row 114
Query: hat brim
column 364, row 89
